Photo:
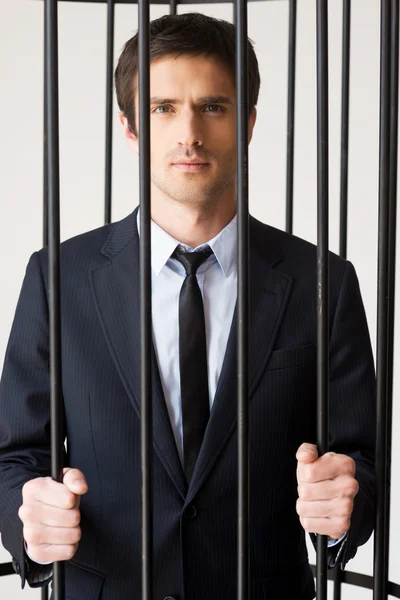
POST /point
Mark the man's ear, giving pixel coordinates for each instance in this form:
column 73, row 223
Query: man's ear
column 131, row 139
column 252, row 121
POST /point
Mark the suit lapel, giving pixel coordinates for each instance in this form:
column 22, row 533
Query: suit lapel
column 115, row 287
column 269, row 292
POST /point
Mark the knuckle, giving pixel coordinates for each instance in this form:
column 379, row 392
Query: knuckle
column 355, row 486
column 299, row 507
column 77, row 534
column 349, row 465
column 350, row 487
column 347, row 506
column 22, row 512
column 68, row 500
column 306, row 492
column 308, row 473
column 33, row 535
column 76, row 517
column 342, row 526
column 70, row 552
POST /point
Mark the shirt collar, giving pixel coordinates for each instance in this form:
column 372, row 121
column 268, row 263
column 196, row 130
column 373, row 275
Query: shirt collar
column 223, row 245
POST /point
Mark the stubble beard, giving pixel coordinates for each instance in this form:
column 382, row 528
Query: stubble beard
column 192, row 189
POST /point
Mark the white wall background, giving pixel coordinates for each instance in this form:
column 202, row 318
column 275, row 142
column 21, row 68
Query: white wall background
column 82, row 55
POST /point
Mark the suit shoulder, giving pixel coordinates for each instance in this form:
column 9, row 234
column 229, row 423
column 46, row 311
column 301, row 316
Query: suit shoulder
column 296, row 251
column 84, row 249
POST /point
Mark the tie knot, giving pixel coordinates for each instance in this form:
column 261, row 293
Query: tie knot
column 191, row 260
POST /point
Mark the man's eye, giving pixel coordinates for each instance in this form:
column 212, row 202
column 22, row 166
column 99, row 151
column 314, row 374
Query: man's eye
column 158, row 107
column 215, row 106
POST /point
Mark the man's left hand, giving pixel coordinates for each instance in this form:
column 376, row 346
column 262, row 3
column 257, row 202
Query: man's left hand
column 326, row 489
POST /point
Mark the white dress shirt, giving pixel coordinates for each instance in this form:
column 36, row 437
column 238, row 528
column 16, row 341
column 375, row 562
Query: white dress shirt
column 217, row 279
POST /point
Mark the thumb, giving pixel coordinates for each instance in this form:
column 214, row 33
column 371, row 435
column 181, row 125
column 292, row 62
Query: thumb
column 75, row 481
column 307, row 453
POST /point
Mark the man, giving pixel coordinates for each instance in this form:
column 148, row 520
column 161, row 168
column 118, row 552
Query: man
column 95, row 525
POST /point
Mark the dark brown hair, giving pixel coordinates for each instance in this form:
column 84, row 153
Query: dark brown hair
column 189, row 34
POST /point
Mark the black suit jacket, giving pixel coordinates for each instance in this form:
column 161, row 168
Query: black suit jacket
column 194, row 529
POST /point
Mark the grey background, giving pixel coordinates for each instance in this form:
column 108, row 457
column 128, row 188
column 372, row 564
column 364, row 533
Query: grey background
column 82, row 55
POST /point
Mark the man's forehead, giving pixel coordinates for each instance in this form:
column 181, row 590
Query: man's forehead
column 165, row 89
column 207, row 65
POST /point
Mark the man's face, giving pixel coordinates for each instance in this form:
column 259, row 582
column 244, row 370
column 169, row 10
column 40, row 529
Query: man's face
column 192, row 118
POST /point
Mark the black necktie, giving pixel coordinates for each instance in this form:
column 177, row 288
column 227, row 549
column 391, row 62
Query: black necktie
column 192, row 358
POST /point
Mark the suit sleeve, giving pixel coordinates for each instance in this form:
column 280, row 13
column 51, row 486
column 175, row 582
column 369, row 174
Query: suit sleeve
column 352, row 410
column 25, row 443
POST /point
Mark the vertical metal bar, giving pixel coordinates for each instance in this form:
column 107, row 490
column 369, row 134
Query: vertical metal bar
column 45, row 146
column 394, row 120
column 45, row 589
column 145, row 299
column 56, row 408
column 344, row 158
column 242, row 119
column 380, row 568
column 109, row 109
column 322, row 267
column 173, row 7
column 290, row 120
column 344, row 166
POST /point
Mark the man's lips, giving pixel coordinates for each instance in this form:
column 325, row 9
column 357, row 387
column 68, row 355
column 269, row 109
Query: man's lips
column 190, row 165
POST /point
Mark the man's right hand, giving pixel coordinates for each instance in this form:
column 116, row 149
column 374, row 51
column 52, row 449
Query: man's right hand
column 51, row 516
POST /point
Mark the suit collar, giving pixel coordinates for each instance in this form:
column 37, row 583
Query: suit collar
column 261, row 242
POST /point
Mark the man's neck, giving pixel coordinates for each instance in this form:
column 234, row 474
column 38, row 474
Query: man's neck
column 191, row 225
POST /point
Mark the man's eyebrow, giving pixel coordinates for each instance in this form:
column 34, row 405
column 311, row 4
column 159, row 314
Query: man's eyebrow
column 203, row 100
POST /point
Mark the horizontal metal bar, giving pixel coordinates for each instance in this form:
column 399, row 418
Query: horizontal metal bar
column 349, row 577
column 164, row 1
column 361, row 580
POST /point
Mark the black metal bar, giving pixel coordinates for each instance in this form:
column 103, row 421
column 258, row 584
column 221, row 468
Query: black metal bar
column 344, row 157
column 380, row 558
column 45, row 145
column 344, row 166
column 322, row 267
column 290, row 119
column 44, row 592
column 145, row 300
column 393, row 154
column 56, row 407
column 109, row 109
column 159, row 1
column 242, row 119
column 361, row 580
column 173, row 7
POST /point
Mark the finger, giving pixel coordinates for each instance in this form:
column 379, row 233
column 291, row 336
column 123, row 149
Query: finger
column 41, row 534
column 328, row 466
column 75, row 480
column 49, row 492
column 49, row 552
column 334, row 528
column 339, row 487
column 338, row 507
column 307, row 453
column 34, row 514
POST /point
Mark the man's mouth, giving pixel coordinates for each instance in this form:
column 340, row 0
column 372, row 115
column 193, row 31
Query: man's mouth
column 191, row 167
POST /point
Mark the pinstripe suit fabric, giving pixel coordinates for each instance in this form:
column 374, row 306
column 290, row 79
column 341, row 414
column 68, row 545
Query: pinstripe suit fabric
column 195, row 528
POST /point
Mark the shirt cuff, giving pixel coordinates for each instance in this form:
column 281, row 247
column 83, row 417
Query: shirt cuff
column 334, row 542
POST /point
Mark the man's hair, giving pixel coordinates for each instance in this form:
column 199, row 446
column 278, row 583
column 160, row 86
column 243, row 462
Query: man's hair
column 190, row 34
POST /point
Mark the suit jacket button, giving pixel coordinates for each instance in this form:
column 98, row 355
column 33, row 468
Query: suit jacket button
column 190, row 512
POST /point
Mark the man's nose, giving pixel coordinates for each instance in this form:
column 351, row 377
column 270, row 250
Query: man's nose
column 190, row 131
